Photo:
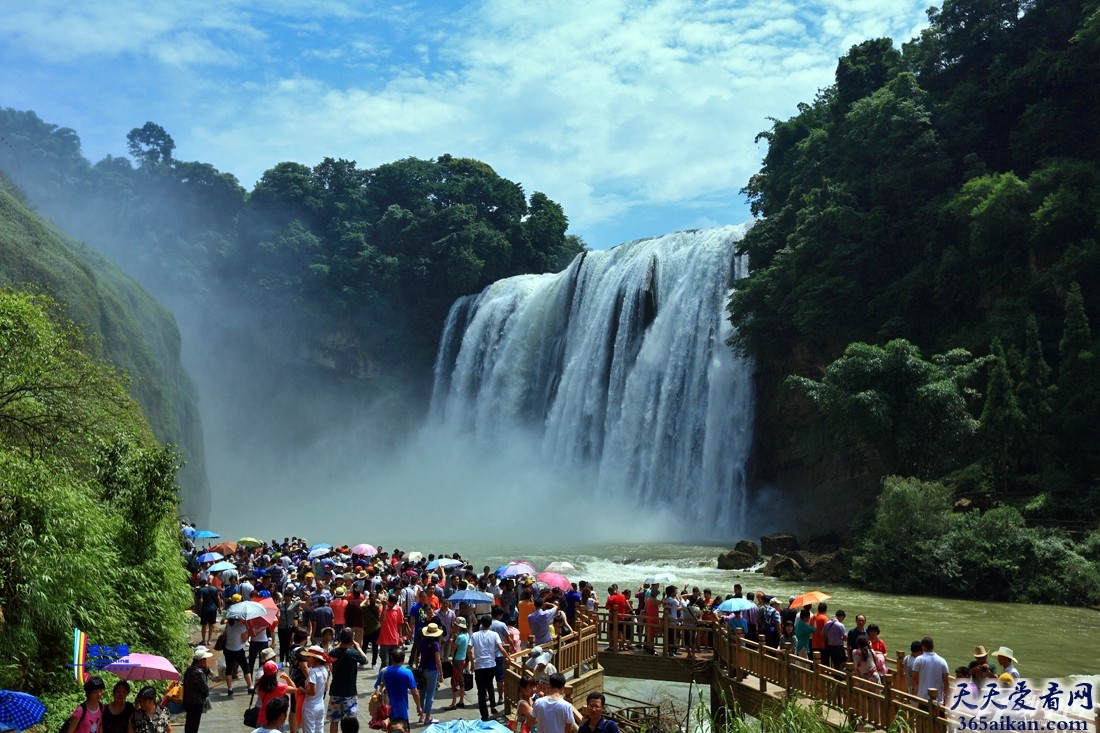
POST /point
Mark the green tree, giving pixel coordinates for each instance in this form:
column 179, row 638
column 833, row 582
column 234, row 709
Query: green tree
column 1077, row 399
column 150, row 144
column 912, row 412
column 1033, row 395
column 1001, row 420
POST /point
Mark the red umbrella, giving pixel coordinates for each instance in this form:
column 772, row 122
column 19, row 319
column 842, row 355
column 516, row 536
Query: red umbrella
column 270, row 619
column 555, row 580
column 143, row 667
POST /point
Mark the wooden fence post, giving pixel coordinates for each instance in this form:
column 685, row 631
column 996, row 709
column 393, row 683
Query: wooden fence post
column 736, row 654
column 613, row 631
column 787, row 669
column 817, row 685
column 762, row 659
column 888, row 694
column 664, row 635
column 849, row 668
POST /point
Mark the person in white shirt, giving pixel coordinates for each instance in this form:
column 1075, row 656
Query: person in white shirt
column 930, row 672
column 485, row 645
column 554, row 713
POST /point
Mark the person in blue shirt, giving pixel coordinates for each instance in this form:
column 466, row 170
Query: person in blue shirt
column 399, row 682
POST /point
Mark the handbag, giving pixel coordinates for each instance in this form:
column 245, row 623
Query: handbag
column 448, row 670
column 468, row 680
column 420, row 677
column 219, row 643
column 252, row 714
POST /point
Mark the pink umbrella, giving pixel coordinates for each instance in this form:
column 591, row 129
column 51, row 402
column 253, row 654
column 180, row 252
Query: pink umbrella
column 143, row 667
column 555, row 580
column 364, row 549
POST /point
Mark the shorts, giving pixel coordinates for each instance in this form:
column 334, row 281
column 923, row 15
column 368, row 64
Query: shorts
column 234, row 660
column 209, row 617
column 458, row 666
column 342, row 707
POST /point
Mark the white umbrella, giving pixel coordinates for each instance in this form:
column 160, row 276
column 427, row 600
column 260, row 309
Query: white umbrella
column 415, row 556
column 661, row 578
column 560, row 567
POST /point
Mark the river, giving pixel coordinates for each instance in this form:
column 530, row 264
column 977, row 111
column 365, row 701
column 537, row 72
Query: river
column 1048, row 641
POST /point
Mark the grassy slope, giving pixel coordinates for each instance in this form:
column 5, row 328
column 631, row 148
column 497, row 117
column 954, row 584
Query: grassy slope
column 139, row 335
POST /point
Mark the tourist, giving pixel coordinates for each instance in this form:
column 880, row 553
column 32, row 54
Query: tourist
column 907, row 663
column 322, row 617
column 618, row 608
column 525, row 607
column 803, row 632
column 554, row 713
column 372, row 625
column 594, row 720
column 498, row 627
column 525, row 706
column 389, row 636
column 485, row 645
column 354, row 615
column 538, row 621
column 195, row 689
column 769, row 622
column 269, row 687
column 980, row 668
column 313, row 703
column 817, row 641
column 735, row 621
column 834, row 634
column 207, row 603
column 929, row 672
column 652, row 619
column 671, row 605
column 298, row 670
column 117, row 713
column 275, row 712
column 539, row 667
column 869, row 664
column 148, row 717
column 288, row 621
column 1007, row 662
column 877, row 644
column 343, row 694
column 788, row 637
column 88, row 714
column 339, row 606
column 860, row 629
column 446, row 618
column 430, row 663
column 258, row 642
column 399, row 682
column 236, row 635
column 460, row 643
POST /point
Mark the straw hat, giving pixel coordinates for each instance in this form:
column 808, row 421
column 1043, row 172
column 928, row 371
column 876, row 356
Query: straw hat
column 1004, row 651
column 315, row 651
column 980, row 651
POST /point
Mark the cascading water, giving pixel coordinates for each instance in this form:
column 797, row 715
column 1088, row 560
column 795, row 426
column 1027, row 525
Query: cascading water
column 619, row 367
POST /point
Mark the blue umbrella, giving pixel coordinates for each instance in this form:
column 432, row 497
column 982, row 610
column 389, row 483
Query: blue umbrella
column 220, row 567
column 20, row 711
column 320, row 551
column 735, row 604
column 211, row 557
column 467, row 726
column 470, row 596
column 443, row 562
column 205, row 534
column 319, row 545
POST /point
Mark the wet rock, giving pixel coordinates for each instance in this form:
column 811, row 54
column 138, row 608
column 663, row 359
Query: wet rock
column 781, row 566
column 749, row 548
column 734, row 560
column 778, row 544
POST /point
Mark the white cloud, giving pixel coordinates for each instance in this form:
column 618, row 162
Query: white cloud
column 611, row 108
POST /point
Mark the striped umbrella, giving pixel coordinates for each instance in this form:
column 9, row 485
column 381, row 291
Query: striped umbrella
column 19, row 710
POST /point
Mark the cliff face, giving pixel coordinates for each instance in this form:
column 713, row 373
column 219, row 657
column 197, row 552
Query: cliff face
column 138, row 334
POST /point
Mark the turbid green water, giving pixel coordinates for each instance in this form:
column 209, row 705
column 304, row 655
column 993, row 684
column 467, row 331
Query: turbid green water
column 1049, row 641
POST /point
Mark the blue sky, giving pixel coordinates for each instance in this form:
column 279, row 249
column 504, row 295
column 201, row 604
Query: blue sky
column 638, row 117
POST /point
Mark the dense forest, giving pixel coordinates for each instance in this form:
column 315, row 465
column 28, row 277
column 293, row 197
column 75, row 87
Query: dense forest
column 88, row 502
column 359, row 265
column 923, row 290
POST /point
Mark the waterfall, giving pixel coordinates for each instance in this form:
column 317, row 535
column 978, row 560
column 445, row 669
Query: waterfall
column 619, row 367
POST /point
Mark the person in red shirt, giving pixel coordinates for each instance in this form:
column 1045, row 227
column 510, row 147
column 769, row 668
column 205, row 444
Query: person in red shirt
column 389, row 635
column 617, row 602
column 338, row 604
column 817, row 639
column 272, row 685
column 877, row 644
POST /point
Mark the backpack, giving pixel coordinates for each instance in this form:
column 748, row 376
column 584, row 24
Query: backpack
column 294, row 659
column 65, row 726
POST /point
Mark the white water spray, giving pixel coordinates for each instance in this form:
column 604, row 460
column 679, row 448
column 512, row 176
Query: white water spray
column 619, row 368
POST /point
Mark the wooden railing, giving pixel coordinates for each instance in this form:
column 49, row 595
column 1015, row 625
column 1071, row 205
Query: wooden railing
column 573, row 655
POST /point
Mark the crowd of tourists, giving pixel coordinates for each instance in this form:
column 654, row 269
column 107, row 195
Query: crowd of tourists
column 344, row 610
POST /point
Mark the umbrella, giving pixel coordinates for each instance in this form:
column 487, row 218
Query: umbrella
column 270, row 617
column 221, row 567
column 319, row 552
column 19, row 710
column 560, row 567
column 211, row 557
column 249, row 542
column 319, row 545
column 143, row 667
column 514, row 568
column 808, row 599
column 225, row 548
column 735, row 604
column 443, row 562
column 470, row 596
column 246, row 611
column 661, row 578
column 205, row 534
column 415, row 556
column 364, row 549
column 555, row 580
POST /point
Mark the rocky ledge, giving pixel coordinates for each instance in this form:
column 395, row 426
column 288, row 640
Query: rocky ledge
column 784, row 558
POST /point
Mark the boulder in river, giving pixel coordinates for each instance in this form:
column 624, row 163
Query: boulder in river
column 749, row 548
column 778, row 544
column 734, row 560
column 781, row 566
